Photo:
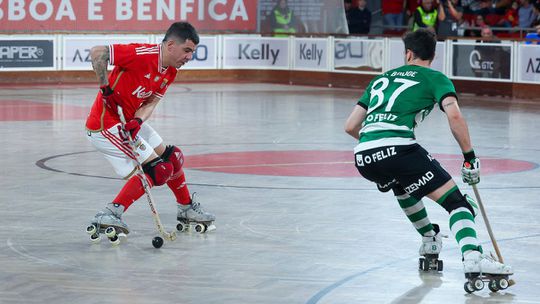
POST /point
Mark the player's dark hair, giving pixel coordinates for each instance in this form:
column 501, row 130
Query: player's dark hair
column 182, row 31
column 422, row 43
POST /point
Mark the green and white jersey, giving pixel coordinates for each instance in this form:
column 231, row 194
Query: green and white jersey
column 397, row 101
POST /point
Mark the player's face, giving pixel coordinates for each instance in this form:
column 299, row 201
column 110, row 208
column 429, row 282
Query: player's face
column 180, row 53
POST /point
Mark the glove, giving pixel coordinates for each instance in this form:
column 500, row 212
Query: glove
column 133, row 126
column 111, row 99
column 470, row 171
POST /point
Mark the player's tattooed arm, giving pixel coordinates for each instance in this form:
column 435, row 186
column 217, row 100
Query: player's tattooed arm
column 448, row 102
column 100, row 59
column 457, row 123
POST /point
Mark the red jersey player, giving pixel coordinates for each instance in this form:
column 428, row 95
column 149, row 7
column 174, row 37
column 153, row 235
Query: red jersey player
column 140, row 78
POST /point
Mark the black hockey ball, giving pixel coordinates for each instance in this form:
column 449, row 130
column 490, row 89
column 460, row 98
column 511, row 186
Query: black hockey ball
column 157, row 242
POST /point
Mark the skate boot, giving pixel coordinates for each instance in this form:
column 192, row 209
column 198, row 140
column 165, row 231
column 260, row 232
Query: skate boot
column 480, row 268
column 194, row 215
column 429, row 250
column 109, row 222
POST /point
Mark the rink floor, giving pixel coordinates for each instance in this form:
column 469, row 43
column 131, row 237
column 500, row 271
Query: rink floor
column 295, row 222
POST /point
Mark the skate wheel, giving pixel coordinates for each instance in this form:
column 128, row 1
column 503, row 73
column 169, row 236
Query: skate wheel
column 478, row 284
column 469, row 288
column 420, row 263
column 502, row 283
column 200, row 228
column 157, row 242
column 110, row 232
column 92, row 229
column 425, row 264
column 493, row 286
column 439, row 265
column 114, row 240
column 181, row 227
column 95, row 238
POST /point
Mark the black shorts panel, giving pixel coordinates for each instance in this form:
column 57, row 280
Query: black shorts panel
column 409, row 166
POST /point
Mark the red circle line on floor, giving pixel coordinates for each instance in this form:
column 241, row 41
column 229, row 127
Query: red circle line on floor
column 325, row 163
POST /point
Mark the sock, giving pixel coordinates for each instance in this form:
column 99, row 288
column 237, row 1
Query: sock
column 463, row 227
column 132, row 191
column 416, row 212
column 179, row 187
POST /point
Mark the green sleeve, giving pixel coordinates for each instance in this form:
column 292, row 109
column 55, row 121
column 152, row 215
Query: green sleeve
column 442, row 88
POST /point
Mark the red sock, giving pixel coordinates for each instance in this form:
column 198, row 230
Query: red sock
column 132, row 191
column 179, row 188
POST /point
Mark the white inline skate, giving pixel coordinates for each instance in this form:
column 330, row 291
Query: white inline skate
column 429, row 251
column 480, row 268
column 108, row 221
column 193, row 217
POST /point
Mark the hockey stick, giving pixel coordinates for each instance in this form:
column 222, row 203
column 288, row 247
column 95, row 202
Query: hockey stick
column 170, row 236
column 488, row 226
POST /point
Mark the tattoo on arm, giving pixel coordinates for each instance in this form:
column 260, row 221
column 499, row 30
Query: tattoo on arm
column 99, row 64
column 448, row 103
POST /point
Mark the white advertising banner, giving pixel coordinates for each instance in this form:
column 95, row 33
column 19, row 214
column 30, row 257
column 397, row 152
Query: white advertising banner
column 310, row 54
column 396, row 49
column 358, row 55
column 205, row 56
column 76, row 50
column 529, row 63
column 255, row 53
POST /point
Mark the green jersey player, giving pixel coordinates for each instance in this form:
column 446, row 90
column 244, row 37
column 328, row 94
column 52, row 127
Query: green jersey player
column 387, row 153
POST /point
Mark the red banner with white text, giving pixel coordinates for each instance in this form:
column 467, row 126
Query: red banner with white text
column 126, row 15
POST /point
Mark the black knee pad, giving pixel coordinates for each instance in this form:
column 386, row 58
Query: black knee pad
column 456, row 200
column 158, row 170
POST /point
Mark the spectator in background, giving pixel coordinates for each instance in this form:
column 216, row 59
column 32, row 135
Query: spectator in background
column 480, row 22
column 427, row 16
column 536, row 8
column 410, row 8
column 477, row 7
column 511, row 17
column 358, row 19
column 487, row 34
column 392, row 11
column 282, row 19
column 501, row 6
column 526, row 14
column 452, row 18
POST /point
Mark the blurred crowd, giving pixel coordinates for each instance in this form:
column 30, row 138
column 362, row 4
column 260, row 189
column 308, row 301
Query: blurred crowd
column 469, row 18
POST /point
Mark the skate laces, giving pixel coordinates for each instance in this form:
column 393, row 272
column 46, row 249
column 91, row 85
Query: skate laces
column 196, row 206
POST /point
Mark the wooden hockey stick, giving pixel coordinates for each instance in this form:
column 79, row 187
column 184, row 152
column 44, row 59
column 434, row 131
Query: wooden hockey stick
column 170, row 236
column 488, row 226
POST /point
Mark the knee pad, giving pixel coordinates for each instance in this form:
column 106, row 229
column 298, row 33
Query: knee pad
column 158, row 170
column 174, row 156
column 456, row 200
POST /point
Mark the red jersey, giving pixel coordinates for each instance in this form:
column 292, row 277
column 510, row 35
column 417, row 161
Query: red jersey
column 138, row 76
column 392, row 6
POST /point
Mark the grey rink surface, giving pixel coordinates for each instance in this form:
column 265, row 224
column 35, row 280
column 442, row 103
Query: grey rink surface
column 279, row 239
